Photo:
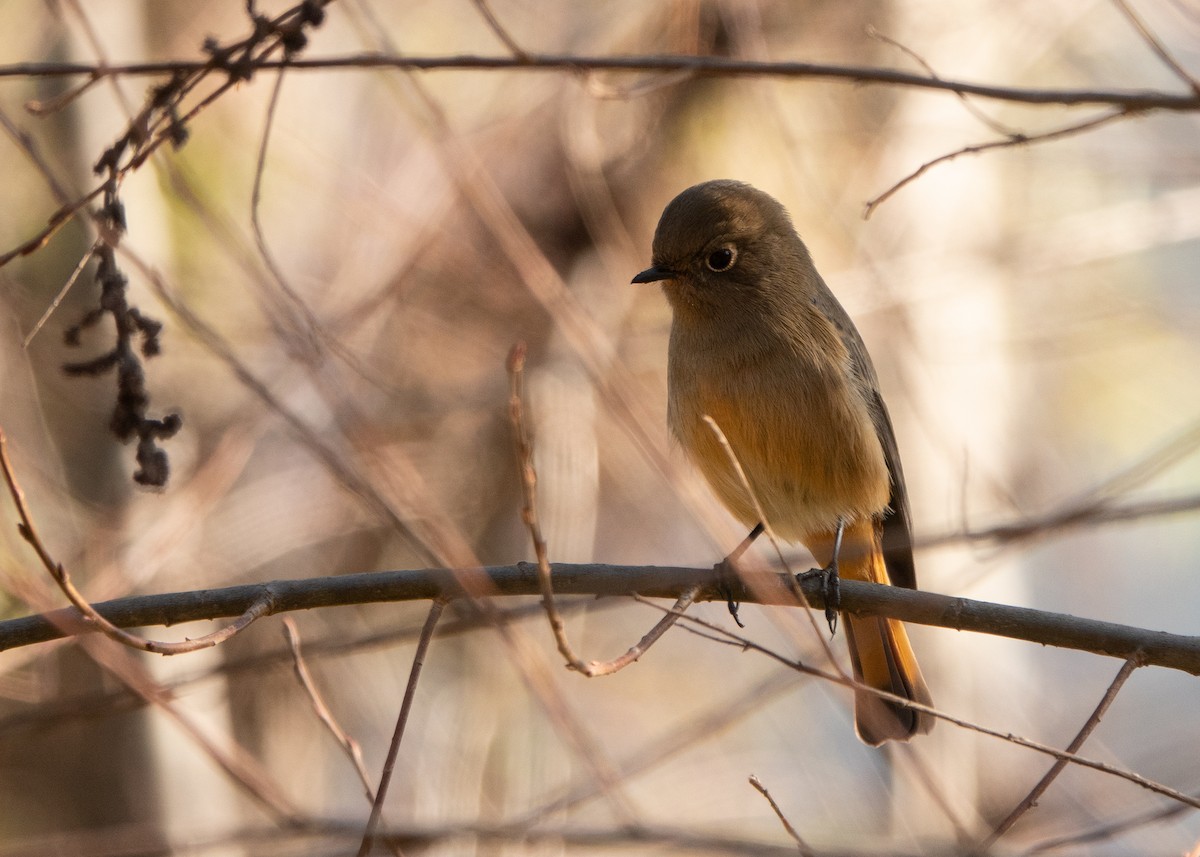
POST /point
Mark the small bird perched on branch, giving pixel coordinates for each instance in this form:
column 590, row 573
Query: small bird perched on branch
column 760, row 344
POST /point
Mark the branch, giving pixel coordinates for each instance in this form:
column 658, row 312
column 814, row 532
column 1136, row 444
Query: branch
column 410, row 692
column 726, row 840
column 1150, row 648
column 1007, row 142
column 1072, row 516
column 320, row 707
column 699, row 66
column 529, row 514
column 1031, row 800
column 1157, row 46
column 86, row 615
column 716, row 631
column 801, row 845
column 591, row 669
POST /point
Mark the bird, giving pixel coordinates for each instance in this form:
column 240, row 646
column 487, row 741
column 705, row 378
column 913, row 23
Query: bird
column 760, row 345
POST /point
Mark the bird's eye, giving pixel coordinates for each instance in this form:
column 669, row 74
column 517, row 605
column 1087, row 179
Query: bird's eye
column 721, row 260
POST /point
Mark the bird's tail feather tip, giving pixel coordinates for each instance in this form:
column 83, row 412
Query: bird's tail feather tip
column 883, row 659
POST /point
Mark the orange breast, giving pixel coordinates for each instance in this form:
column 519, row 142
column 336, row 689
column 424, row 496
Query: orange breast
column 804, row 438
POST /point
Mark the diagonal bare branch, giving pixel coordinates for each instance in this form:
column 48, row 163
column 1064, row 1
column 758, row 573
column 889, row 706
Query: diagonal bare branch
column 1157, row 46
column 1006, row 143
column 1030, row 800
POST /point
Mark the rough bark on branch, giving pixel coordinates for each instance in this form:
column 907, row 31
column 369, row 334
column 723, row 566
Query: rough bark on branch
column 1151, row 648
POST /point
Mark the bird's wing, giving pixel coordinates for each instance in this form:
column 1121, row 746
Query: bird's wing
column 897, row 521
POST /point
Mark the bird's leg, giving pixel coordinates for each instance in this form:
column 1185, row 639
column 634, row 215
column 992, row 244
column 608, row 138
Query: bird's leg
column 830, row 581
column 727, row 573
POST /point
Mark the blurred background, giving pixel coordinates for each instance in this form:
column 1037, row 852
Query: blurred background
column 1033, row 313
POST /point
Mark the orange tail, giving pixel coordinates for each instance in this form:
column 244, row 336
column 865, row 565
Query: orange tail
column 880, row 652
column 883, row 659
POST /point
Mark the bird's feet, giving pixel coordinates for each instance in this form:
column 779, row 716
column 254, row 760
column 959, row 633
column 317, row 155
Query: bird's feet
column 728, row 582
column 831, row 590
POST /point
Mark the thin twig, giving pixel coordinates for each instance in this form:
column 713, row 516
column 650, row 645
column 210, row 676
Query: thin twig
column 1037, row 746
column 498, row 29
column 1030, row 800
column 349, row 745
column 770, row 533
column 672, row 739
column 303, row 323
column 410, row 691
column 260, row 166
column 799, row 666
column 705, row 66
column 967, row 104
column 62, row 293
column 599, row 668
column 1110, row 830
column 434, row 536
column 805, row 850
column 516, row 411
column 1008, row 142
column 736, row 464
column 591, row 669
column 50, row 106
column 1157, row 46
column 93, row 619
column 160, row 120
column 242, row 768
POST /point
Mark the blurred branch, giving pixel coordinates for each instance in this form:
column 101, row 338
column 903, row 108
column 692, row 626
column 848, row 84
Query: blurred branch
column 1156, row 45
column 349, row 745
column 69, row 708
column 230, row 757
column 524, row 445
column 714, row 839
column 801, row 845
column 498, row 29
column 967, row 104
column 529, row 515
column 1105, row 829
column 700, row 66
column 1031, row 800
column 163, row 117
column 1149, row 648
column 410, row 693
column 86, row 615
column 344, row 471
column 1009, row 140
column 1088, row 513
column 671, row 740
column 1062, row 755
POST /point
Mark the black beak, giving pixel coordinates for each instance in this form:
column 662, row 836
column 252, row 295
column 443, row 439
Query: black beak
column 654, row 274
